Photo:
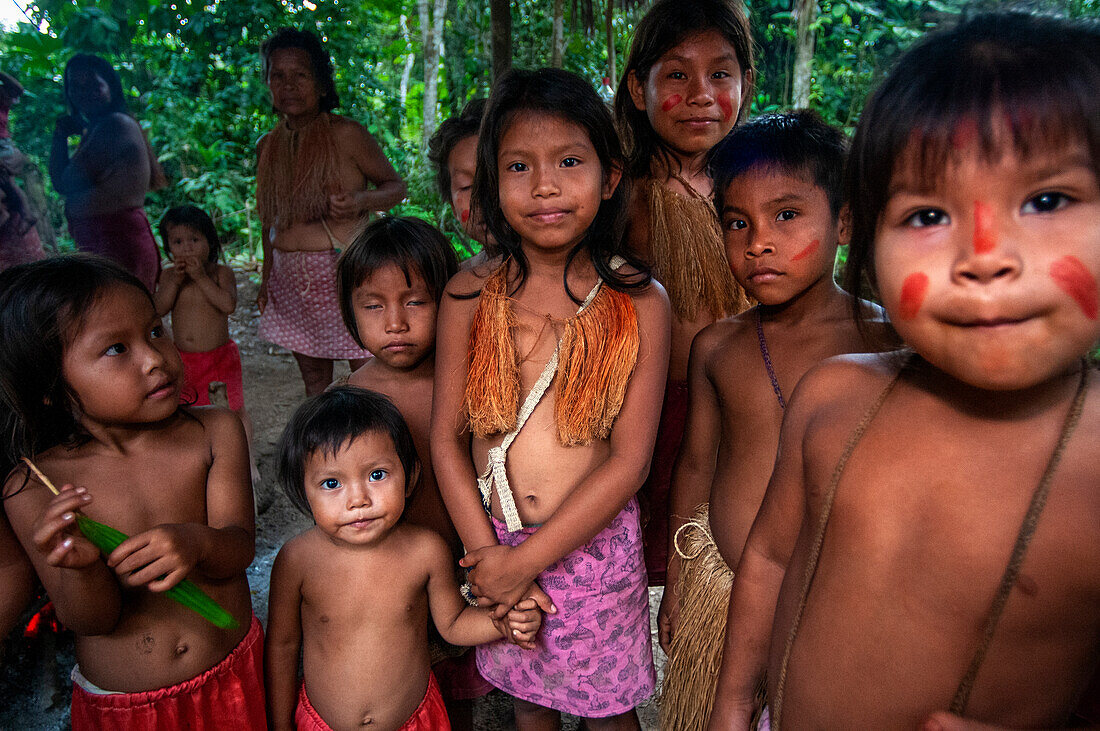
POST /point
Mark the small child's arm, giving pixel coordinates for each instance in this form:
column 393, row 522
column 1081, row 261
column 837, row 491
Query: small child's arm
column 16, row 576
column 220, row 290
column 284, row 640
column 221, row 548
column 692, row 473
column 168, row 289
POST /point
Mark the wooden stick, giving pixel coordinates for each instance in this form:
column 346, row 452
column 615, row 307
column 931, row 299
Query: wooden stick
column 38, row 473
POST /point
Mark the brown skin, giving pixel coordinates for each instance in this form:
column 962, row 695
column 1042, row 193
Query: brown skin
column 179, row 488
column 201, row 296
column 16, row 576
column 368, row 180
column 360, row 612
column 936, row 524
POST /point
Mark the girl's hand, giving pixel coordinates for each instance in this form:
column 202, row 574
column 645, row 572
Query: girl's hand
column 344, row 206
column 158, row 558
column 496, row 574
column 55, row 533
column 68, row 126
column 195, row 268
column 261, row 297
column 523, row 622
column 173, row 274
column 668, row 616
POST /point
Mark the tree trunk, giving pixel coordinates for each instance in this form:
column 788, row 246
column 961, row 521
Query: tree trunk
column 500, row 18
column 557, row 36
column 410, row 59
column 431, row 30
column 611, row 72
column 805, row 12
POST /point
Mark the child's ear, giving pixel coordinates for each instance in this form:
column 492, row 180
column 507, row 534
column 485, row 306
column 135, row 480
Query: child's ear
column 844, row 226
column 412, row 481
column 611, row 180
column 637, row 90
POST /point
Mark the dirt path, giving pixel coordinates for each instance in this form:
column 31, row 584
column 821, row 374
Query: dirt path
column 34, row 688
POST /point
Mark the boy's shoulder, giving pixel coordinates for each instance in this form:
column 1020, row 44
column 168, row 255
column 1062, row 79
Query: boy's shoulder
column 842, row 380
column 725, row 340
column 215, row 420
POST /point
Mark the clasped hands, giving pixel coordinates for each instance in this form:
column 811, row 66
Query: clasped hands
column 501, row 581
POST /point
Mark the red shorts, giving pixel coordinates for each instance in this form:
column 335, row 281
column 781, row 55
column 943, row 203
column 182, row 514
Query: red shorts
column 201, row 369
column 654, row 495
column 430, row 715
column 229, row 695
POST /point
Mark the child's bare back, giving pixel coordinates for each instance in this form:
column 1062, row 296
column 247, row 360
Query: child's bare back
column 185, row 472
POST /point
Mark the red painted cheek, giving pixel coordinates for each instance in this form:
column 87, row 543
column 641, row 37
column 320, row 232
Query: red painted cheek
column 726, row 105
column 1077, row 281
column 808, row 251
column 465, row 215
column 913, row 290
column 985, row 232
column 671, row 102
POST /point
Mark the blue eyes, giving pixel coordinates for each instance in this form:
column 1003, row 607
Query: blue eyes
column 377, row 475
column 330, row 484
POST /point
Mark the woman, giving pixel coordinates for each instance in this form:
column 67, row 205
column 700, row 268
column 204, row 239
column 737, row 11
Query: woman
column 105, row 181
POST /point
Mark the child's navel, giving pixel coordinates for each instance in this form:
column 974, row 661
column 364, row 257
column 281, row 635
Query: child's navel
column 913, row 290
column 1077, row 281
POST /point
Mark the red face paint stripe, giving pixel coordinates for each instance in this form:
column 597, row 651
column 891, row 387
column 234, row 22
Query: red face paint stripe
column 726, row 106
column 1077, row 281
column 985, row 236
column 808, row 251
column 465, row 215
column 671, row 102
column 913, row 290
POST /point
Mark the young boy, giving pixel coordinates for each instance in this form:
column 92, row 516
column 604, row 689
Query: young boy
column 452, row 150
column 777, row 182
column 354, row 592
column 390, row 280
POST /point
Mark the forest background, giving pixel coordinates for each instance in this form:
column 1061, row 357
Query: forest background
column 192, row 73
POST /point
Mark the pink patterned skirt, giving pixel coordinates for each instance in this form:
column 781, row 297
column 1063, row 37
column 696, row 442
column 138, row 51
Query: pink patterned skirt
column 302, row 312
column 594, row 658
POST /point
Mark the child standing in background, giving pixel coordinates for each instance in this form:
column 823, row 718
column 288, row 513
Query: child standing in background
column 201, row 293
column 98, row 410
column 452, row 150
column 354, row 592
column 687, row 81
column 778, row 189
column 930, row 538
column 559, row 472
column 389, row 282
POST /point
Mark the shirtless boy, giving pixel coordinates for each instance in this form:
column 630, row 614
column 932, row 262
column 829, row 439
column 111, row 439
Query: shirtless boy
column 308, row 211
column 778, row 192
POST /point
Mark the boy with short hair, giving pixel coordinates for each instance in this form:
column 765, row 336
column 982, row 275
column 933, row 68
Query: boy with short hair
column 777, row 183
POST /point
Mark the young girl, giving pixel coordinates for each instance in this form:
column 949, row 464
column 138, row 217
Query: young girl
column 939, row 511
column 91, row 393
column 201, row 294
column 560, row 324
column 687, row 81
column 355, row 590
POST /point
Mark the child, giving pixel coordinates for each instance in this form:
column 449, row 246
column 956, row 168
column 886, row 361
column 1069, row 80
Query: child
column 97, row 408
column 354, row 591
column 389, row 283
column 974, row 182
column 778, row 190
column 547, row 182
column 201, row 294
column 452, row 150
column 686, row 83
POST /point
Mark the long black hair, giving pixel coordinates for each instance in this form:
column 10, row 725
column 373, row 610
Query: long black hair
column 667, row 24
column 1036, row 77
column 562, row 94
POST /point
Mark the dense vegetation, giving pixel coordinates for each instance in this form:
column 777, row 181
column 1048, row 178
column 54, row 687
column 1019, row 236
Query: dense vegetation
column 193, row 73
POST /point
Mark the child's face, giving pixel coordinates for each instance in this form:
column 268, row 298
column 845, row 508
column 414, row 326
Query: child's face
column 358, row 494
column 396, row 319
column 89, row 92
column 780, row 233
column 121, row 365
column 551, row 181
column 294, row 90
column 693, row 93
column 461, row 164
column 184, row 241
column 990, row 273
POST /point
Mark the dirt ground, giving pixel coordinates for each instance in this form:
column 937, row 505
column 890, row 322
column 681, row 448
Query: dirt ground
column 34, row 684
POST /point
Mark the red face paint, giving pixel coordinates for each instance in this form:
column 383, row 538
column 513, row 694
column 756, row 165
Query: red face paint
column 726, row 106
column 966, row 131
column 465, row 215
column 671, row 102
column 913, row 290
column 1077, row 281
column 809, row 250
column 985, row 232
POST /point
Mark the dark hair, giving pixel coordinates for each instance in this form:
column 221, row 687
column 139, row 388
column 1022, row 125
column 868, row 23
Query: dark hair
column 565, row 95
column 410, row 243
column 666, row 25
column 328, row 422
column 192, row 217
column 1040, row 76
column 797, row 143
column 318, row 59
column 450, row 133
column 42, row 306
